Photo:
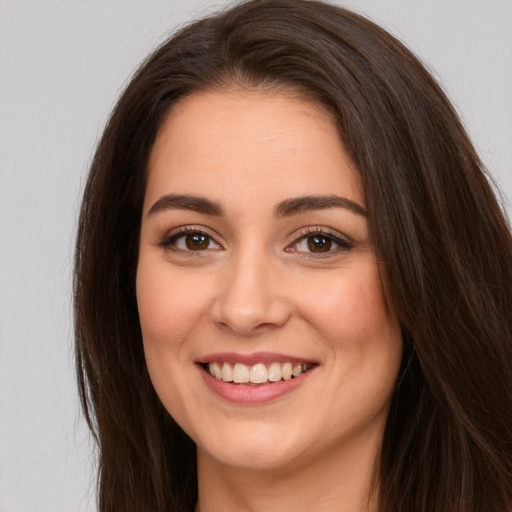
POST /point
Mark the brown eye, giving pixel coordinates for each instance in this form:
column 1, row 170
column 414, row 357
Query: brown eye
column 189, row 240
column 319, row 243
column 197, row 242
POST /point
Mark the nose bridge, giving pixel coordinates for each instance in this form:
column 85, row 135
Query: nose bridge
column 250, row 298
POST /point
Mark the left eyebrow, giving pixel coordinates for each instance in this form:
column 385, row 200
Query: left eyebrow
column 186, row 202
column 303, row 204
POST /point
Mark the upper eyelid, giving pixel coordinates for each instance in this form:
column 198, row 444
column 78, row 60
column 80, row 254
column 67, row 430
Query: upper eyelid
column 316, row 230
column 343, row 241
column 189, row 229
column 175, row 233
column 295, row 236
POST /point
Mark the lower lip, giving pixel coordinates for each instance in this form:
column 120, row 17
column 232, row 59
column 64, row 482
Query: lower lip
column 252, row 395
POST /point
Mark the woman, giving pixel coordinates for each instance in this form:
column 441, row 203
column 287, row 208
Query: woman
column 293, row 279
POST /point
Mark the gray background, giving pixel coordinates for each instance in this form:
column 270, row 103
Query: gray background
column 62, row 64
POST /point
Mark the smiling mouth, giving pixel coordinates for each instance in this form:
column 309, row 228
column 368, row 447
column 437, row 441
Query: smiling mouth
column 258, row 374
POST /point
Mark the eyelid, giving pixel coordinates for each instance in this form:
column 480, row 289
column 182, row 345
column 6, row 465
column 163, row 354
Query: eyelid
column 172, row 235
column 345, row 242
column 320, row 230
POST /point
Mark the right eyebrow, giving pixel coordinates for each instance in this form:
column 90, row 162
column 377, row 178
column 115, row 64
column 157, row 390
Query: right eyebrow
column 186, row 202
column 297, row 205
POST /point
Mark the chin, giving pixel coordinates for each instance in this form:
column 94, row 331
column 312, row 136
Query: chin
column 262, row 450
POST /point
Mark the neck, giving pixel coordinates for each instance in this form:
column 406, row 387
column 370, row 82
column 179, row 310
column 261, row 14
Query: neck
column 341, row 480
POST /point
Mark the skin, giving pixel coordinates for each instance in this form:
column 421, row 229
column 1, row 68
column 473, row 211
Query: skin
column 258, row 286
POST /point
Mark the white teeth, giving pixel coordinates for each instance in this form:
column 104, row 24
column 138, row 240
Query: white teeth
column 256, row 374
column 274, row 372
column 240, row 373
column 297, row 370
column 287, row 371
column 227, row 373
column 215, row 370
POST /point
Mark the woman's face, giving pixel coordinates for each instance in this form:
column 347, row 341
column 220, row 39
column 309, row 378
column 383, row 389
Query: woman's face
column 255, row 265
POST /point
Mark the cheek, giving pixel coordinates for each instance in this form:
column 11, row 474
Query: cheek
column 364, row 344
column 170, row 309
column 363, row 339
column 351, row 309
column 170, row 305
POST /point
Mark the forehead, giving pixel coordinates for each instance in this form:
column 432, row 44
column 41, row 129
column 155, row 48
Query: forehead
column 251, row 145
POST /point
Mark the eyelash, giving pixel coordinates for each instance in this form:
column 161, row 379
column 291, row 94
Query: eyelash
column 343, row 243
column 171, row 238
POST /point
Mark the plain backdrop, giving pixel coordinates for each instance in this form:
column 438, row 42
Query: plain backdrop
column 62, row 64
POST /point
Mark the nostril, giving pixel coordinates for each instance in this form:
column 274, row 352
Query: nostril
column 250, row 321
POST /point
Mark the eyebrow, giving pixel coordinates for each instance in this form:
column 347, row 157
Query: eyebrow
column 186, row 202
column 286, row 208
column 303, row 204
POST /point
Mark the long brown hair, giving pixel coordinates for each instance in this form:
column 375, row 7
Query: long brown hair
column 443, row 244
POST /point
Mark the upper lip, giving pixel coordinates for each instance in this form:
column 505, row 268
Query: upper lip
column 252, row 359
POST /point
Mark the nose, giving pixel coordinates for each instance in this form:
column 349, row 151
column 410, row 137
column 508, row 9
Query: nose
column 251, row 298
